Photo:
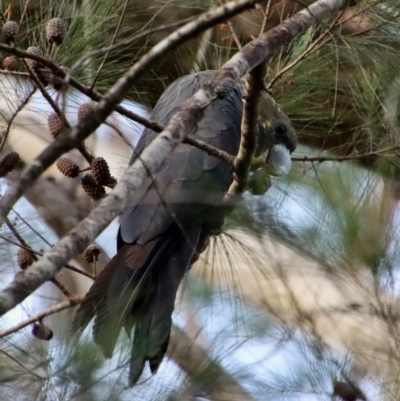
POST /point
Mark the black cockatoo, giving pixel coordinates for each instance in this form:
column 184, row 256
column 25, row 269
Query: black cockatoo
column 162, row 234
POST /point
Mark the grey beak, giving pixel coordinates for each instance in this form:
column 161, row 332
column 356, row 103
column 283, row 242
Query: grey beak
column 279, row 161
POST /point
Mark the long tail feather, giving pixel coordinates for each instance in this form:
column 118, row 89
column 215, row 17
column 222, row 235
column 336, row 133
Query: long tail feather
column 137, row 289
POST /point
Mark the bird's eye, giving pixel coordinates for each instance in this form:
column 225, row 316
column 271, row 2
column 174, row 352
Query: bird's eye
column 280, row 129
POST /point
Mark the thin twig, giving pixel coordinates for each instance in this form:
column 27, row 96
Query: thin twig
column 232, row 30
column 85, row 169
column 16, row 234
column 80, row 147
column 22, row 365
column 311, row 48
column 373, row 28
column 40, row 316
column 31, row 227
column 131, row 40
column 265, row 20
column 8, row 12
column 24, row 12
column 62, row 288
column 46, row 95
column 16, row 73
column 202, row 49
column 10, row 121
column 28, row 248
column 307, row 52
column 316, row 45
column 234, row 35
column 211, row 150
column 117, row 29
column 321, row 159
column 10, row 241
column 67, row 266
column 120, row 133
column 79, row 271
column 251, row 99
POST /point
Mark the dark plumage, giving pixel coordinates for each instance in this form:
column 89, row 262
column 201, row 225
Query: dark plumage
column 164, row 231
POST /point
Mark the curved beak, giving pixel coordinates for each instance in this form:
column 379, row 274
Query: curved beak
column 278, row 160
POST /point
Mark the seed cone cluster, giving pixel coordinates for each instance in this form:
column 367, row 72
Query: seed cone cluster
column 33, row 64
column 93, row 184
column 55, row 124
column 91, row 253
column 10, row 63
column 55, row 31
column 100, row 171
column 90, row 186
column 42, row 332
column 67, row 167
column 24, row 258
column 9, row 163
column 83, row 110
column 10, row 32
column 55, row 34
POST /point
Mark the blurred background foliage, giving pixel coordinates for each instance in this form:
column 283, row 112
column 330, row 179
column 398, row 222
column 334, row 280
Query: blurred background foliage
column 301, row 291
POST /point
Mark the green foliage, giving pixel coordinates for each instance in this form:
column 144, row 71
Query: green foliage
column 341, row 92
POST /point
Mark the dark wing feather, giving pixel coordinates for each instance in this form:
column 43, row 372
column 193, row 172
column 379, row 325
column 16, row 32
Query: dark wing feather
column 189, row 176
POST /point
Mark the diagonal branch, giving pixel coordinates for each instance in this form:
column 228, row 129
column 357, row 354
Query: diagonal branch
column 67, row 141
column 254, row 88
column 72, row 301
column 183, row 122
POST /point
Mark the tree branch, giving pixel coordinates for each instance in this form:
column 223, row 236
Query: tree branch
column 253, row 92
column 358, row 157
column 69, row 140
column 153, row 156
column 72, row 301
